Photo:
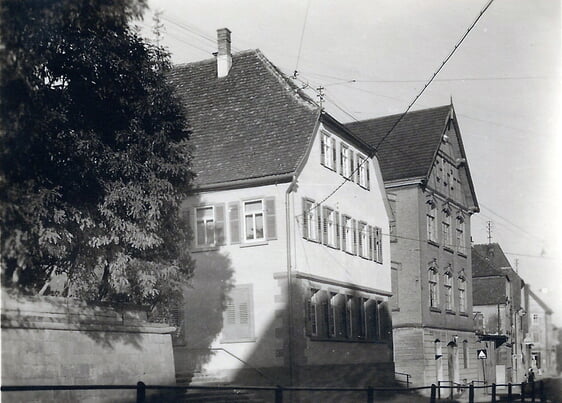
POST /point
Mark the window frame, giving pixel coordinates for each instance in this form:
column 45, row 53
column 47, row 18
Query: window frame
column 363, row 239
column 462, row 294
column 214, row 221
column 431, row 219
column 448, row 290
column 433, row 287
column 346, row 164
column 263, row 216
column 446, row 232
column 328, row 151
column 311, row 218
column 362, row 171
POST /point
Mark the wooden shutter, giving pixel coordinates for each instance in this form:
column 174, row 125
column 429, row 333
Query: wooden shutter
column 370, row 241
column 334, row 155
column 385, row 321
column 318, row 216
column 270, row 223
column 322, row 157
column 234, row 218
column 354, row 230
column 238, row 317
column 344, row 233
column 368, row 174
column 342, row 148
column 305, row 209
column 324, row 225
column 371, row 320
column 219, row 224
column 337, row 224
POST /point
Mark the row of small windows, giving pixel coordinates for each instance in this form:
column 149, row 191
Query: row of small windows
column 352, row 166
column 337, row 316
column 249, row 221
column 449, row 301
column 327, row 226
column 447, row 229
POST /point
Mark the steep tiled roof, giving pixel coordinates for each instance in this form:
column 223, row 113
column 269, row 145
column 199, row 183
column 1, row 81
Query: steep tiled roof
column 493, row 253
column 488, row 291
column 250, row 124
column 482, row 267
column 409, row 151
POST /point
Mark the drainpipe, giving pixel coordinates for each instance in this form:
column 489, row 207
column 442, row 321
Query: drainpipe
column 288, row 218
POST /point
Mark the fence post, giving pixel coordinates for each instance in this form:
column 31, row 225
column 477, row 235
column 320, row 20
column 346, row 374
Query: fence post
column 493, row 392
column 509, row 392
column 370, row 395
column 141, row 392
column 279, row 395
column 433, row 393
column 522, row 391
column 541, row 391
column 471, row 393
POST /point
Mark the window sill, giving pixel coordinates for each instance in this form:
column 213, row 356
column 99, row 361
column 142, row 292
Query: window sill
column 244, row 340
column 450, row 312
column 327, row 167
column 461, row 254
column 430, row 242
column 342, row 340
column 447, row 249
column 256, row 243
column 205, row 249
column 433, row 309
column 464, row 314
column 311, row 240
column 364, row 187
column 349, row 253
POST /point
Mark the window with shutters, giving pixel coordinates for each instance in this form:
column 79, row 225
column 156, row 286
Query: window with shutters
column 238, row 318
column 372, row 325
column 347, row 234
column 311, row 222
column 332, row 315
column 254, row 227
column 330, row 228
column 205, row 226
column 364, row 240
column 328, row 151
column 363, row 171
column 313, row 304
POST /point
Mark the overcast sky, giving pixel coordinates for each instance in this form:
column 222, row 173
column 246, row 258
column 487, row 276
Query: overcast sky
column 504, row 81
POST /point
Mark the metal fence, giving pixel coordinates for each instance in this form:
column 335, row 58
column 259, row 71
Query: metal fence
column 527, row 392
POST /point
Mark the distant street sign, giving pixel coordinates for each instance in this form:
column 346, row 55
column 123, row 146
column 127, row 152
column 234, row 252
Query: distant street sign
column 482, row 354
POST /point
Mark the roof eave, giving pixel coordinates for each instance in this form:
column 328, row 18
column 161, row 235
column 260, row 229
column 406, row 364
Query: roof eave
column 244, row 183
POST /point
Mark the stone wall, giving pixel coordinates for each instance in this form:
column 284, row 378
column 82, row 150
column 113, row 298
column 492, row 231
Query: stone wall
column 58, row 341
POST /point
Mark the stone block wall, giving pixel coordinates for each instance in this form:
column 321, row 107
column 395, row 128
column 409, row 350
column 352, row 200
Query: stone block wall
column 57, row 341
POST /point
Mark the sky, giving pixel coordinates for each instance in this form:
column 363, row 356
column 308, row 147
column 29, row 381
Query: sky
column 372, row 57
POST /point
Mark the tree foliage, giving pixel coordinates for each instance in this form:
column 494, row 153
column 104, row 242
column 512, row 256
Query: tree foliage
column 94, row 154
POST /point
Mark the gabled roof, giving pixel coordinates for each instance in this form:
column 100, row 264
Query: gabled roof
column 251, row 124
column 483, row 267
column 544, row 306
column 493, row 254
column 410, row 150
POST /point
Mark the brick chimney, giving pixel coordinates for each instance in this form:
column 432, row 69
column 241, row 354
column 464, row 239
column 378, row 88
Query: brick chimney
column 224, row 56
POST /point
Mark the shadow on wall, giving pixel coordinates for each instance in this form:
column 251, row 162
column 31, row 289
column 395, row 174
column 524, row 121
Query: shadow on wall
column 205, row 300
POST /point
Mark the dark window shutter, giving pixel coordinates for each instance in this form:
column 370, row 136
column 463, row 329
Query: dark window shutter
column 354, row 230
column 344, row 233
column 219, row 224
column 334, row 155
column 324, row 226
column 371, row 241
column 322, row 157
column 368, row 174
column 238, row 317
column 234, row 217
column 342, row 149
column 305, row 208
column 318, row 222
column 271, row 225
column 338, row 231
column 371, row 319
column 385, row 321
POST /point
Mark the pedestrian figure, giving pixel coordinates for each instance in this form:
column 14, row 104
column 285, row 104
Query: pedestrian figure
column 531, row 375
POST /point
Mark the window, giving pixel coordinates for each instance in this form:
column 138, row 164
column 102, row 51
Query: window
column 364, row 235
column 462, row 294
column 238, row 317
column 433, row 280
column 332, row 307
column 460, row 234
column 328, row 151
column 363, row 171
column 372, row 325
column 465, row 354
column 431, row 223
column 205, row 228
column 311, row 221
column 347, row 234
column 448, row 291
column 535, row 318
column 377, row 252
column 331, row 229
column 446, row 229
column 254, row 221
column 346, row 162
column 312, row 312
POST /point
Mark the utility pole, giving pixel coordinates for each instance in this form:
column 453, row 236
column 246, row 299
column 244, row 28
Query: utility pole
column 489, row 230
column 320, row 95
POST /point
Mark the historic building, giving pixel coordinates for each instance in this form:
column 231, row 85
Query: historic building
column 432, row 198
column 292, row 275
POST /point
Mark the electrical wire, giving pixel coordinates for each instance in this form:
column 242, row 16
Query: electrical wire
column 302, row 38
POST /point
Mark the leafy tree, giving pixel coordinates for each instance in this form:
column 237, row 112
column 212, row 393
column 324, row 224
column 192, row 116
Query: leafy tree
column 94, row 154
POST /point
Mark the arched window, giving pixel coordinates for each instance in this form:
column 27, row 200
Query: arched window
column 461, row 245
column 462, row 293
column 448, row 284
column 431, row 221
column 447, row 235
column 433, row 280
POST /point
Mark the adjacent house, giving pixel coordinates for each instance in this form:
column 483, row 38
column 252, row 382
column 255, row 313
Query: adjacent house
column 288, row 213
column 430, row 190
column 498, row 304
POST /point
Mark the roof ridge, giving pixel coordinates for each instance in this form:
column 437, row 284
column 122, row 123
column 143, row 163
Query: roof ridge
column 400, row 114
column 214, row 58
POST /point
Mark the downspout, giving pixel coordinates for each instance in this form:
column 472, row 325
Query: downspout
column 288, row 224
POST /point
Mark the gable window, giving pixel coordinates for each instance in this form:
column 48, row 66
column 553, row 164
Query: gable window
column 431, row 222
column 460, row 234
column 462, row 294
column 433, row 281
column 346, row 161
column 253, row 221
column 363, row 171
column 328, row 151
column 238, row 318
column 446, row 229
column 448, row 291
column 205, row 228
column 311, row 221
column 364, row 235
column 330, row 227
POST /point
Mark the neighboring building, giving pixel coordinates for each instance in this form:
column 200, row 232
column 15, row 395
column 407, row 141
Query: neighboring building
column 498, row 304
column 430, row 191
column 541, row 341
column 292, row 275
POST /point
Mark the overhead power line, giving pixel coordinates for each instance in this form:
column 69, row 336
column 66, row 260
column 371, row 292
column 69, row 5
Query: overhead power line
column 302, row 38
